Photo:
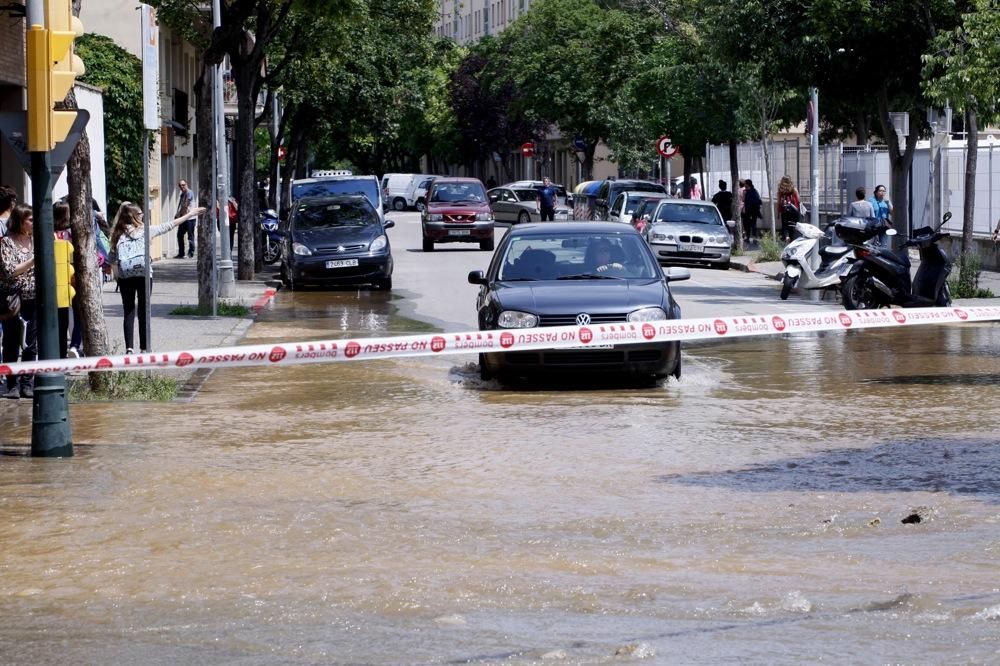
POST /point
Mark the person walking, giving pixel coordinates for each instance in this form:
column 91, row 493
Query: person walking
column 183, row 206
column 17, row 271
column 129, row 250
column 723, row 200
column 545, row 200
column 752, row 205
column 860, row 207
column 789, row 208
column 694, row 188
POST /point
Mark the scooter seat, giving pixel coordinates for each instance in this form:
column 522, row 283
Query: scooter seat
column 834, row 251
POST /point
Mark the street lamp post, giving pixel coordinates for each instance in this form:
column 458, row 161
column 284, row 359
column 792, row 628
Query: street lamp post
column 226, row 275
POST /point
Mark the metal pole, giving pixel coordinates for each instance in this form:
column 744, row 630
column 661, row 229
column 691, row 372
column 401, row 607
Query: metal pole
column 226, row 275
column 213, row 203
column 148, row 282
column 814, row 294
column 50, row 431
column 277, row 173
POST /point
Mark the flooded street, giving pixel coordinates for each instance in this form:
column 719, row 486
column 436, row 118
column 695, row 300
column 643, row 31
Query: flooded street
column 406, row 512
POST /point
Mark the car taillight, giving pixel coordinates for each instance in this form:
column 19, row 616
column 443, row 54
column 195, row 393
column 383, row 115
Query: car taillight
column 862, row 252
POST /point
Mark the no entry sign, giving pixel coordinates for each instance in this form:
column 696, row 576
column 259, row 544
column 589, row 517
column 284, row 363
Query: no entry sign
column 528, row 149
column 664, row 147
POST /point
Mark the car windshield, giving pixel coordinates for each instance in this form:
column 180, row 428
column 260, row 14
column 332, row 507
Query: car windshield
column 329, row 214
column 693, row 213
column 424, row 184
column 577, row 256
column 366, row 187
column 457, row 192
column 634, row 203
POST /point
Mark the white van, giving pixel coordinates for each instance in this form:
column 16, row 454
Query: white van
column 397, row 188
column 418, row 195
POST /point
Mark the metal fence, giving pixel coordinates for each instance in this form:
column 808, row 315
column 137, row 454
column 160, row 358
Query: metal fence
column 843, row 168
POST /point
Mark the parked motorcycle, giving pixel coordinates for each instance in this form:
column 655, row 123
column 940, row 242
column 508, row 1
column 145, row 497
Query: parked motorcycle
column 270, row 237
column 813, row 261
column 881, row 277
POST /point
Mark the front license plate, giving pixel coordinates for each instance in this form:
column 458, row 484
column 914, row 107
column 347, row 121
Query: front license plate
column 690, row 247
column 459, row 232
column 341, row 263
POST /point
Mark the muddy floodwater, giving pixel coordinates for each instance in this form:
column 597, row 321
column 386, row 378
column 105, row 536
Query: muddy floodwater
column 399, row 512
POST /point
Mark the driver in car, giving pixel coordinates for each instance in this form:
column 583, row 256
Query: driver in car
column 598, row 257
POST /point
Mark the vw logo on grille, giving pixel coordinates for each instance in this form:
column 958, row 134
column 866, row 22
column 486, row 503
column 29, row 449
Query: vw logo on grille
column 340, row 248
column 583, row 319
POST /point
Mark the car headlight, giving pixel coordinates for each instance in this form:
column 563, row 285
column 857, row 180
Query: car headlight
column 515, row 319
column 484, row 217
column 301, row 250
column 378, row 244
column 435, row 217
column 647, row 314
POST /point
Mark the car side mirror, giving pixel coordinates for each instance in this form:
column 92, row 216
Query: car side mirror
column 947, row 216
column 731, row 224
column 676, row 274
column 477, row 277
column 389, row 224
column 494, row 198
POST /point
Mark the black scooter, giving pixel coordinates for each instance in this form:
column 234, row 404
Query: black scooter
column 270, row 237
column 881, row 278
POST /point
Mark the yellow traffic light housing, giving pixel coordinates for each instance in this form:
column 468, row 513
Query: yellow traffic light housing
column 52, row 70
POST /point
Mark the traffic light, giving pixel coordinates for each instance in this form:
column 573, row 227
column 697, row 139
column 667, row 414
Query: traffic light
column 52, row 69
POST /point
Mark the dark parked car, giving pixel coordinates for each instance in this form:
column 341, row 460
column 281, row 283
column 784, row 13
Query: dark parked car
column 610, row 189
column 569, row 273
column 336, row 240
column 457, row 211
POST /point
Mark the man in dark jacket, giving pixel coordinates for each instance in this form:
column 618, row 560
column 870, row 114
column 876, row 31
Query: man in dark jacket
column 751, row 209
column 723, row 200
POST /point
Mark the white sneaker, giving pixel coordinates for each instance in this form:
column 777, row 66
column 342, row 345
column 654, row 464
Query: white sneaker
column 73, row 353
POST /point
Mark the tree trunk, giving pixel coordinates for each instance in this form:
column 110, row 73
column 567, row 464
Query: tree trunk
column 900, row 162
column 734, row 187
column 971, row 156
column 686, row 183
column 245, row 159
column 770, row 189
column 206, row 182
column 88, row 278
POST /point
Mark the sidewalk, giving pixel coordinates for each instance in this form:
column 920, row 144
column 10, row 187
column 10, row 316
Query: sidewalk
column 175, row 283
column 774, row 269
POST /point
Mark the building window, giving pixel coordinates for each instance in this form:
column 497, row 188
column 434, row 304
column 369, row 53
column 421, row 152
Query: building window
column 180, row 112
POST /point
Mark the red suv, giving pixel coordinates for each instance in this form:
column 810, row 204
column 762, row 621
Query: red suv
column 457, row 211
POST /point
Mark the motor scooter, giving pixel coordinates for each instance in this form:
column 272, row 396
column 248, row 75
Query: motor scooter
column 880, row 277
column 270, row 237
column 813, row 260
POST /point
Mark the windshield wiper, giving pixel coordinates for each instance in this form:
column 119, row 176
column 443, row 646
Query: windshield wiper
column 590, row 276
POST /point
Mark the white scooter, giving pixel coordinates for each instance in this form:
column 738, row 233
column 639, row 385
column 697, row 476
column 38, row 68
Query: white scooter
column 812, row 261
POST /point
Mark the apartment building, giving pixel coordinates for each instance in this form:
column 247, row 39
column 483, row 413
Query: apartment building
column 467, row 21
column 173, row 155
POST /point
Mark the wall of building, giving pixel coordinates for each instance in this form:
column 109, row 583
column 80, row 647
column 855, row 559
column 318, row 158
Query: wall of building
column 11, row 95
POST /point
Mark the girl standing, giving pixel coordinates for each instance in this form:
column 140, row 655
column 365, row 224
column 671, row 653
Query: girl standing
column 128, row 245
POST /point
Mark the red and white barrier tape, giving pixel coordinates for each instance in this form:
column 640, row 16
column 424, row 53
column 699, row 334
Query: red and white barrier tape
column 555, row 337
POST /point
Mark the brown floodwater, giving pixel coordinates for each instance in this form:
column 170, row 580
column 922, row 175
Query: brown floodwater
column 405, row 512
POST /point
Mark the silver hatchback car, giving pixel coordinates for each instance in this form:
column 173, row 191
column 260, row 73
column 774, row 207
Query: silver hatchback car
column 687, row 231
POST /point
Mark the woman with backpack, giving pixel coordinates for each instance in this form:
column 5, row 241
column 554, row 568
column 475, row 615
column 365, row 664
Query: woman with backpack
column 128, row 243
column 789, row 208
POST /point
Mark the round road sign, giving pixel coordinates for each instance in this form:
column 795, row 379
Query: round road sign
column 664, row 147
column 528, row 149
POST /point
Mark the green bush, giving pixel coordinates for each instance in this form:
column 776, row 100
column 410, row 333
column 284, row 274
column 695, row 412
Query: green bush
column 770, row 248
column 964, row 282
column 224, row 309
column 119, row 74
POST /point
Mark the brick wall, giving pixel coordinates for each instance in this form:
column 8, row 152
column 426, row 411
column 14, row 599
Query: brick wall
column 11, row 50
